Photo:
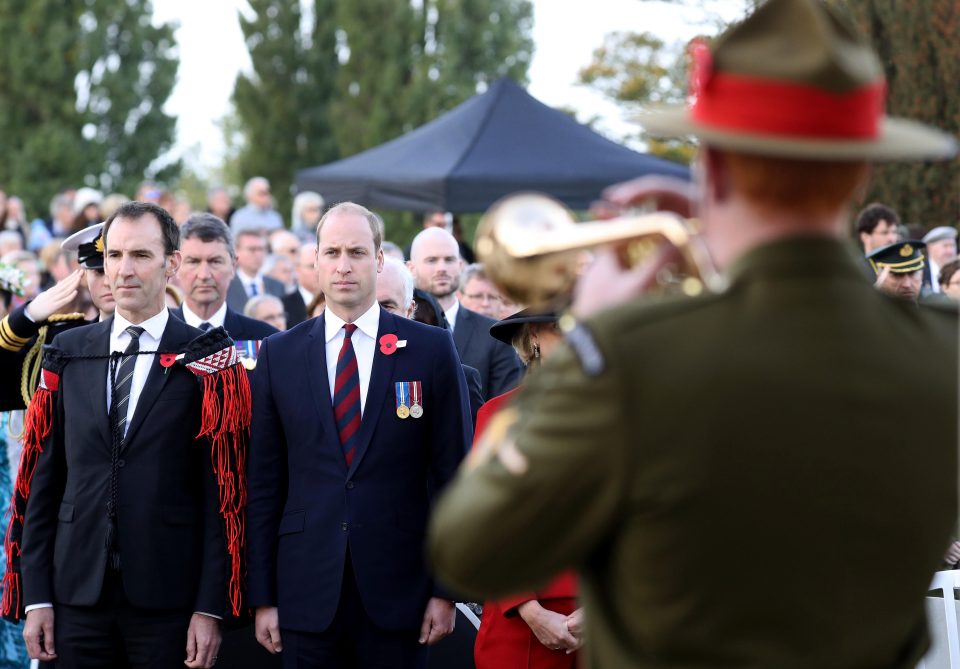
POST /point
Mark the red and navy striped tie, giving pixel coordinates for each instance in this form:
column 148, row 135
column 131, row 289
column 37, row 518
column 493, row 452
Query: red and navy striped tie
column 346, row 395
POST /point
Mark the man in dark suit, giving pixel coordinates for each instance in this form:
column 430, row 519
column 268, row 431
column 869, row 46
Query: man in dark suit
column 250, row 252
column 436, row 265
column 123, row 544
column 360, row 418
column 208, row 267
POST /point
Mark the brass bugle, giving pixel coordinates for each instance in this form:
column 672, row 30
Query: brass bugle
column 532, row 248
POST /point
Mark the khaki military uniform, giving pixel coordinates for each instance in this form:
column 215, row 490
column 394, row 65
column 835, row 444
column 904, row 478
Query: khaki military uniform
column 761, row 478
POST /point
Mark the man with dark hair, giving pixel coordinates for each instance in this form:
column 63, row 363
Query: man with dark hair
column 208, row 267
column 877, row 226
column 733, row 474
column 130, row 528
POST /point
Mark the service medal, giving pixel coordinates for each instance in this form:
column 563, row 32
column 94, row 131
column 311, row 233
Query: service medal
column 416, row 397
column 403, row 411
column 403, row 394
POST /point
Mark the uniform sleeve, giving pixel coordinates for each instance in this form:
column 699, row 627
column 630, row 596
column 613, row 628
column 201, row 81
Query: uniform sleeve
column 16, row 329
column 542, row 502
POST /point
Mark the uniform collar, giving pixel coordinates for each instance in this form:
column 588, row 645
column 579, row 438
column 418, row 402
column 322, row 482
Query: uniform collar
column 368, row 322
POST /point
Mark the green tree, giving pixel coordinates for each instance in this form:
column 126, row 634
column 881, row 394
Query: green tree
column 282, row 105
column 81, row 90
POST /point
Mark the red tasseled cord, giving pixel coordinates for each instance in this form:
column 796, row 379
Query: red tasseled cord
column 228, row 427
column 39, row 422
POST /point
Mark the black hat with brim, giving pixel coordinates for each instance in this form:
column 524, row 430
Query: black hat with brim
column 505, row 330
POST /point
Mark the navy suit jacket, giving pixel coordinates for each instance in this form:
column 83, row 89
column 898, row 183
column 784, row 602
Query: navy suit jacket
column 498, row 364
column 240, row 327
column 307, row 511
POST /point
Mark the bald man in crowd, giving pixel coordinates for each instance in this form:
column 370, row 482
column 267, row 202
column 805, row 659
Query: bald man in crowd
column 436, row 266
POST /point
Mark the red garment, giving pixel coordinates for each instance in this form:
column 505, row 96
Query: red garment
column 505, row 641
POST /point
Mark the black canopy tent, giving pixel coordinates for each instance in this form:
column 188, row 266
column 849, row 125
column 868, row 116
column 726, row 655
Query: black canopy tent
column 499, row 142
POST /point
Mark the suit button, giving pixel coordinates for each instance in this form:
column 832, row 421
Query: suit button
column 344, row 526
column 349, row 485
column 120, row 463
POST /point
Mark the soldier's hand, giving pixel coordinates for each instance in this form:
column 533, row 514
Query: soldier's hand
column 882, row 276
column 203, row 641
column 953, row 553
column 438, row 620
column 54, row 299
column 549, row 627
column 267, row 624
column 38, row 634
column 606, row 283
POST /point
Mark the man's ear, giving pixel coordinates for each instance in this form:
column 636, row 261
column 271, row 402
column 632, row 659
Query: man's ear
column 173, row 263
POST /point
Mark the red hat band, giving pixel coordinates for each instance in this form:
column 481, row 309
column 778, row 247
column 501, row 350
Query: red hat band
column 779, row 108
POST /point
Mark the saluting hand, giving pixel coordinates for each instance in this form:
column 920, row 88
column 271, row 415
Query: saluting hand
column 267, row 624
column 438, row 620
column 54, row 299
column 953, row 553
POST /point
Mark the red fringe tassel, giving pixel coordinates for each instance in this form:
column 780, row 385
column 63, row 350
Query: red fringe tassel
column 39, row 422
column 225, row 420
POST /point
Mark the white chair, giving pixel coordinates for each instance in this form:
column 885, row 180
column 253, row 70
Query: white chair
column 943, row 630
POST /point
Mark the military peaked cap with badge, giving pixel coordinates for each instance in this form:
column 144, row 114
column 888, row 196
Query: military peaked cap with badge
column 88, row 245
column 900, row 257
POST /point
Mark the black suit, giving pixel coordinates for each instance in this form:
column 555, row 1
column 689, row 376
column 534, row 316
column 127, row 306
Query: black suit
column 498, row 364
column 295, row 308
column 169, row 532
column 240, row 327
column 475, row 390
column 237, row 295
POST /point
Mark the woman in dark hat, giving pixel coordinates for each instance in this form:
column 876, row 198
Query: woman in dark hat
column 535, row 629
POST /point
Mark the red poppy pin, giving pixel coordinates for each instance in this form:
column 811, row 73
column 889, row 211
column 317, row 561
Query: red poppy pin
column 167, row 359
column 389, row 344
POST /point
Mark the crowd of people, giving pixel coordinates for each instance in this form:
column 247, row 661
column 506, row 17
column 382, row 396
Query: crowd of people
column 242, row 442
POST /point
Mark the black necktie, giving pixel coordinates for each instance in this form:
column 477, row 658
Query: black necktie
column 205, row 326
column 124, row 378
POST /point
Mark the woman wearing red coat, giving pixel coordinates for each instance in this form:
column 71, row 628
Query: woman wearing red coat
column 540, row 629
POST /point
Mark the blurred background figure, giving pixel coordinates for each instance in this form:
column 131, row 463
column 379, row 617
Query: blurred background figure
column 899, row 269
column 149, row 191
column 316, row 306
column 86, row 208
column 29, row 264
column 257, row 214
column 266, row 308
column 172, row 296
column 219, row 203
column 941, row 248
column 478, row 294
column 111, row 203
column 285, row 243
column 251, row 253
column 10, row 242
column 59, row 224
column 391, row 250
column 283, row 269
column 308, row 286
column 877, row 227
column 949, row 279
column 15, row 218
column 305, row 214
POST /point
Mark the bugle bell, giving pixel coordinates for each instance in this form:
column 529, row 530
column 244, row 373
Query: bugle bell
column 532, row 247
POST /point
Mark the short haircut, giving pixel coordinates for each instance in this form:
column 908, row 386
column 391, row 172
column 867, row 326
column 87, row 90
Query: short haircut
column 802, row 185
column 405, row 275
column 252, row 183
column 250, row 308
column 373, row 220
column 249, row 233
column 208, row 228
column 302, row 200
column 273, row 259
column 947, row 272
column 136, row 210
column 872, row 214
column 473, row 271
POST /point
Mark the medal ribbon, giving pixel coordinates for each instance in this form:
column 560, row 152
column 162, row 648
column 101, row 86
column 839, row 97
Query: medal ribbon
column 402, row 391
column 416, row 393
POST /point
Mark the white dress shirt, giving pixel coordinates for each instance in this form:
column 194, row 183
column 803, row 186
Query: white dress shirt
column 364, row 345
column 306, row 296
column 451, row 314
column 248, row 281
column 215, row 320
column 153, row 329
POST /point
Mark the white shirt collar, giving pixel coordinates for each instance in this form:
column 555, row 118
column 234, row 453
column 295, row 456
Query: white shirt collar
column 306, row 295
column 368, row 323
column 216, row 319
column 154, row 326
column 452, row 312
column 247, row 280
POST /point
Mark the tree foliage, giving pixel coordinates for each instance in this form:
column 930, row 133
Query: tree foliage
column 281, row 107
column 82, row 85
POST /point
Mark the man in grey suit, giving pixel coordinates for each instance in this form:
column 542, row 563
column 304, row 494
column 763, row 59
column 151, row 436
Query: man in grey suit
column 436, row 265
column 251, row 248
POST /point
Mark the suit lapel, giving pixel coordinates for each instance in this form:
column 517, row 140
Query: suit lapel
column 174, row 335
column 319, row 385
column 462, row 332
column 381, row 378
column 98, row 343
